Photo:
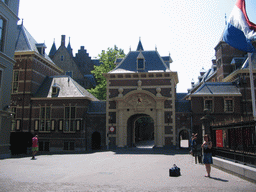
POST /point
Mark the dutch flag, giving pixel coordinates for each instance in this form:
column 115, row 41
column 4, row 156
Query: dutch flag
column 240, row 31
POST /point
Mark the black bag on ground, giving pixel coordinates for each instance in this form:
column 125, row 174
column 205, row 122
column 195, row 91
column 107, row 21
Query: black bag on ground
column 174, row 171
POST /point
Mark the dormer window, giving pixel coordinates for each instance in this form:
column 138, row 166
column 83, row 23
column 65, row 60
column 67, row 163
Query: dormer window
column 55, row 90
column 41, row 48
column 140, row 62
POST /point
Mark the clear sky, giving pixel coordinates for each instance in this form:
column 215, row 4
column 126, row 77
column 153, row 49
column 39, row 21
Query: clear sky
column 187, row 29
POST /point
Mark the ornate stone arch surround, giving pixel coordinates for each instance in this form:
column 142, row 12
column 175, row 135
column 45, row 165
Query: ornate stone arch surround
column 139, row 102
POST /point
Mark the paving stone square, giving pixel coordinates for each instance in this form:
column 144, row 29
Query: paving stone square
column 136, row 169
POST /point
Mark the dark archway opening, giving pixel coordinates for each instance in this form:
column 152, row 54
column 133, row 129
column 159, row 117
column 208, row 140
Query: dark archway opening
column 140, row 131
column 96, row 141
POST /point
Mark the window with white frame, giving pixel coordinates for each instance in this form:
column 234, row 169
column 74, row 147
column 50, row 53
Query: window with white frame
column 70, row 121
column 45, row 116
column 15, row 81
column 208, row 104
column 228, row 105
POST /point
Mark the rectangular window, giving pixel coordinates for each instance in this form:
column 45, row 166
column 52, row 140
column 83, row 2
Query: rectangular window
column 36, row 125
column 62, row 58
column 69, row 145
column 228, row 105
column 13, row 125
column 70, row 122
column 208, row 105
column 44, row 145
column 1, row 72
column 15, row 81
column 140, row 64
column 18, row 125
column 2, row 33
column 45, row 122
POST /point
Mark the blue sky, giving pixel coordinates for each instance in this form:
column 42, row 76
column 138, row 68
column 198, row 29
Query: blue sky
column 187, row 29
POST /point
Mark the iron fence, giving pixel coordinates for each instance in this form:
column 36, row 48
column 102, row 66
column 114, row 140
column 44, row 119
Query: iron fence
column 235, row 141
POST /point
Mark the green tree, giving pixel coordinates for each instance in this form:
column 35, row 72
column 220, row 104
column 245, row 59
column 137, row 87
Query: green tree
column 107, row 60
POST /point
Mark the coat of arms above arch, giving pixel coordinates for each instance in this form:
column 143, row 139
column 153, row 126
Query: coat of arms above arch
column 140, row 102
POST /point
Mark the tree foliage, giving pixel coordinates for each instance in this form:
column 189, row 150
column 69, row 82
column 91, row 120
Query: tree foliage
column 107, row 60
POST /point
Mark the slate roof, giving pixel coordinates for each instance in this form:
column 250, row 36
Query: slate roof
column 67, row 88
column 180, row 96
column 183, row 106
column 96, row 62
column 53, row 49
column 97, row 107
column 139, row 47
column 91, row 79
column 25, row 42
column 217, row 88
column 153, row 62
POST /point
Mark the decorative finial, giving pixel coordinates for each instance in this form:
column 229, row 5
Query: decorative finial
column 155, row 47
column 225, row 19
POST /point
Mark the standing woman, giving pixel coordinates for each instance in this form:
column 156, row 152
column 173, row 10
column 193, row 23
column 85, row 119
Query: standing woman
column 207, row 148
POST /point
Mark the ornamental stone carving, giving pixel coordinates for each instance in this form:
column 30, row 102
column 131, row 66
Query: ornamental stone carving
column 120, row 90
column 140, row 102
column 158, row 90
column 139, row 85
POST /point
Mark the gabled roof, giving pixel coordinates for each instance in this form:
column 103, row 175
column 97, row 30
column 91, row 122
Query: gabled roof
column 25, row 42
column 68, row 88
column 218, row 88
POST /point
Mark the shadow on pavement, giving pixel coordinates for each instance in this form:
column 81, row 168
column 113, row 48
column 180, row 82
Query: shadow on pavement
column 218, row 179
column 151, row 151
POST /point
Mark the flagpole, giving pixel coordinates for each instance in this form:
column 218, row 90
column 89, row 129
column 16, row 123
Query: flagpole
column 252, row 86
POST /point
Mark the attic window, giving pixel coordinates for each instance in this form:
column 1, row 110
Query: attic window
column 141, row 64
column 41, row 48
column 55, row 90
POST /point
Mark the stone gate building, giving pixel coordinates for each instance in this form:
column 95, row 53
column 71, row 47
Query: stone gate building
column 141, row 85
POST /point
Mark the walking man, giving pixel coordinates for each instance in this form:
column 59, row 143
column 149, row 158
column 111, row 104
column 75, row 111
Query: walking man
column 34, row 146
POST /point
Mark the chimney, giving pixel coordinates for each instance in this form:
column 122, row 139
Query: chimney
column 63, row 40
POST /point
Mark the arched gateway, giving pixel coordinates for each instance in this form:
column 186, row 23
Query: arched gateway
column 141, row 85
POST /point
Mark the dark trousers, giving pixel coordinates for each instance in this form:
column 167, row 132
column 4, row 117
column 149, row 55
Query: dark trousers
column 198, row 158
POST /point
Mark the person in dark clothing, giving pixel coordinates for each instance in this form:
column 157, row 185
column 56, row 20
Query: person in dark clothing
column 196, row 150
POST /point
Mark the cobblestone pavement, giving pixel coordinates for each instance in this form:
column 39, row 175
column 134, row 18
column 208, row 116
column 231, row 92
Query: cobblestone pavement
column 134, row 169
